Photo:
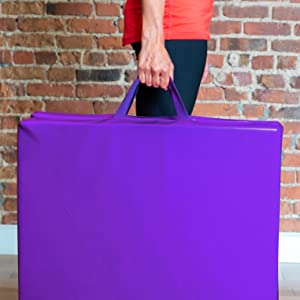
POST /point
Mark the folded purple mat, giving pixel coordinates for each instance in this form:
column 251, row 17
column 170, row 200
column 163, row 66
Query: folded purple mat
column 118, row 207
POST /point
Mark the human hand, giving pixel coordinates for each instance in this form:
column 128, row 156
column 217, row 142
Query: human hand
column 154, row 65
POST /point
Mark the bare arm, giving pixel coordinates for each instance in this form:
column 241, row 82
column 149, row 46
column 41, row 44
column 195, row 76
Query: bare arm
column 154, row 63
column 153, row 11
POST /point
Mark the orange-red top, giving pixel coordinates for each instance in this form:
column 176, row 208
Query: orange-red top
column 183, row 19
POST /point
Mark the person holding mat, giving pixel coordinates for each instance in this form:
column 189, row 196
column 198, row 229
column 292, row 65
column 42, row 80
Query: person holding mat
column 170, row 40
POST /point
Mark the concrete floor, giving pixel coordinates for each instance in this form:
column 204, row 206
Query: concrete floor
column 289, row 280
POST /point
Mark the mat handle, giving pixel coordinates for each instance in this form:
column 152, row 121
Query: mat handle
column 176, row 98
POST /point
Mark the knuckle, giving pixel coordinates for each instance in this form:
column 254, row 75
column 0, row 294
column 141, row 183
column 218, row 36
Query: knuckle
column 156, row 69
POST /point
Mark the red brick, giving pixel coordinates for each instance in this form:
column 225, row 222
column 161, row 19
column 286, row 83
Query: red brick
column 12, row 89
column 215, row 60
column 20, row 106
column 286, row 46
column 61, row 74
column 297, row 29
column 286, row 142
column 245, row 12
column 243, row 44
column 10, row 218
column 23, row 8
column 8, row 122
column 22, row 73
column 10, row 188
column 263, row 28
column 9, row 155
column 296, row 208
column 8, row 172
column 285, row 207
column 289, row 225
column 285, row 112
column 23, row 57
column 253, row 111
column 98, row 90
column 291, row 127
column 271, row 81
column 242, row 78
column 36, row 24
column 45, row 57
column 225, row 27
column 8, row 139
column 274, row 96
column 10, row 204
column 262, row 62
column 107, row 9
column 231, row 94
column 106, row 107
column 73, row 42
column 69, row 58
column 288, row 176
column 91, row 25
column 110, row 42
column 76, row 9
column 286, row 13
column 7, row 24
column 70, row 106
column 216, row 109
column 30, row 40
column 287, row 62
column 290, row 192
column 94, row 58
column 291, row 160
column 210, row 94
column 118, row 58
column 45, row 89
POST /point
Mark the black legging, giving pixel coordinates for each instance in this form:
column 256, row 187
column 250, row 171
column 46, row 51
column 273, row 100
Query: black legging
column 188, row 57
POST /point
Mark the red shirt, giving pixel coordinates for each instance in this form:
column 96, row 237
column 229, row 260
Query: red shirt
column 183, row 19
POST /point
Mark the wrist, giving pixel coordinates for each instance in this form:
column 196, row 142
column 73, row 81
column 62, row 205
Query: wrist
column 152, row 36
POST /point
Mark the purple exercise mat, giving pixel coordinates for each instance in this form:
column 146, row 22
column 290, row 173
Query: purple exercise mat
column 118, row 207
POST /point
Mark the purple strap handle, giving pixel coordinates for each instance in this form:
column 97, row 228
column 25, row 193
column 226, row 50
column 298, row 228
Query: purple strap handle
column 178, row 103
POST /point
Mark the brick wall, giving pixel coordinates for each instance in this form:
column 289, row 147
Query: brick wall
column 67, row 56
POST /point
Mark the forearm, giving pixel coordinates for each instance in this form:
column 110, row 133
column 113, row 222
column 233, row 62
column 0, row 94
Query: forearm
column 152, row 27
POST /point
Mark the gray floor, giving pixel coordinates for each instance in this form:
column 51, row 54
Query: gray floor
column 289, row 279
